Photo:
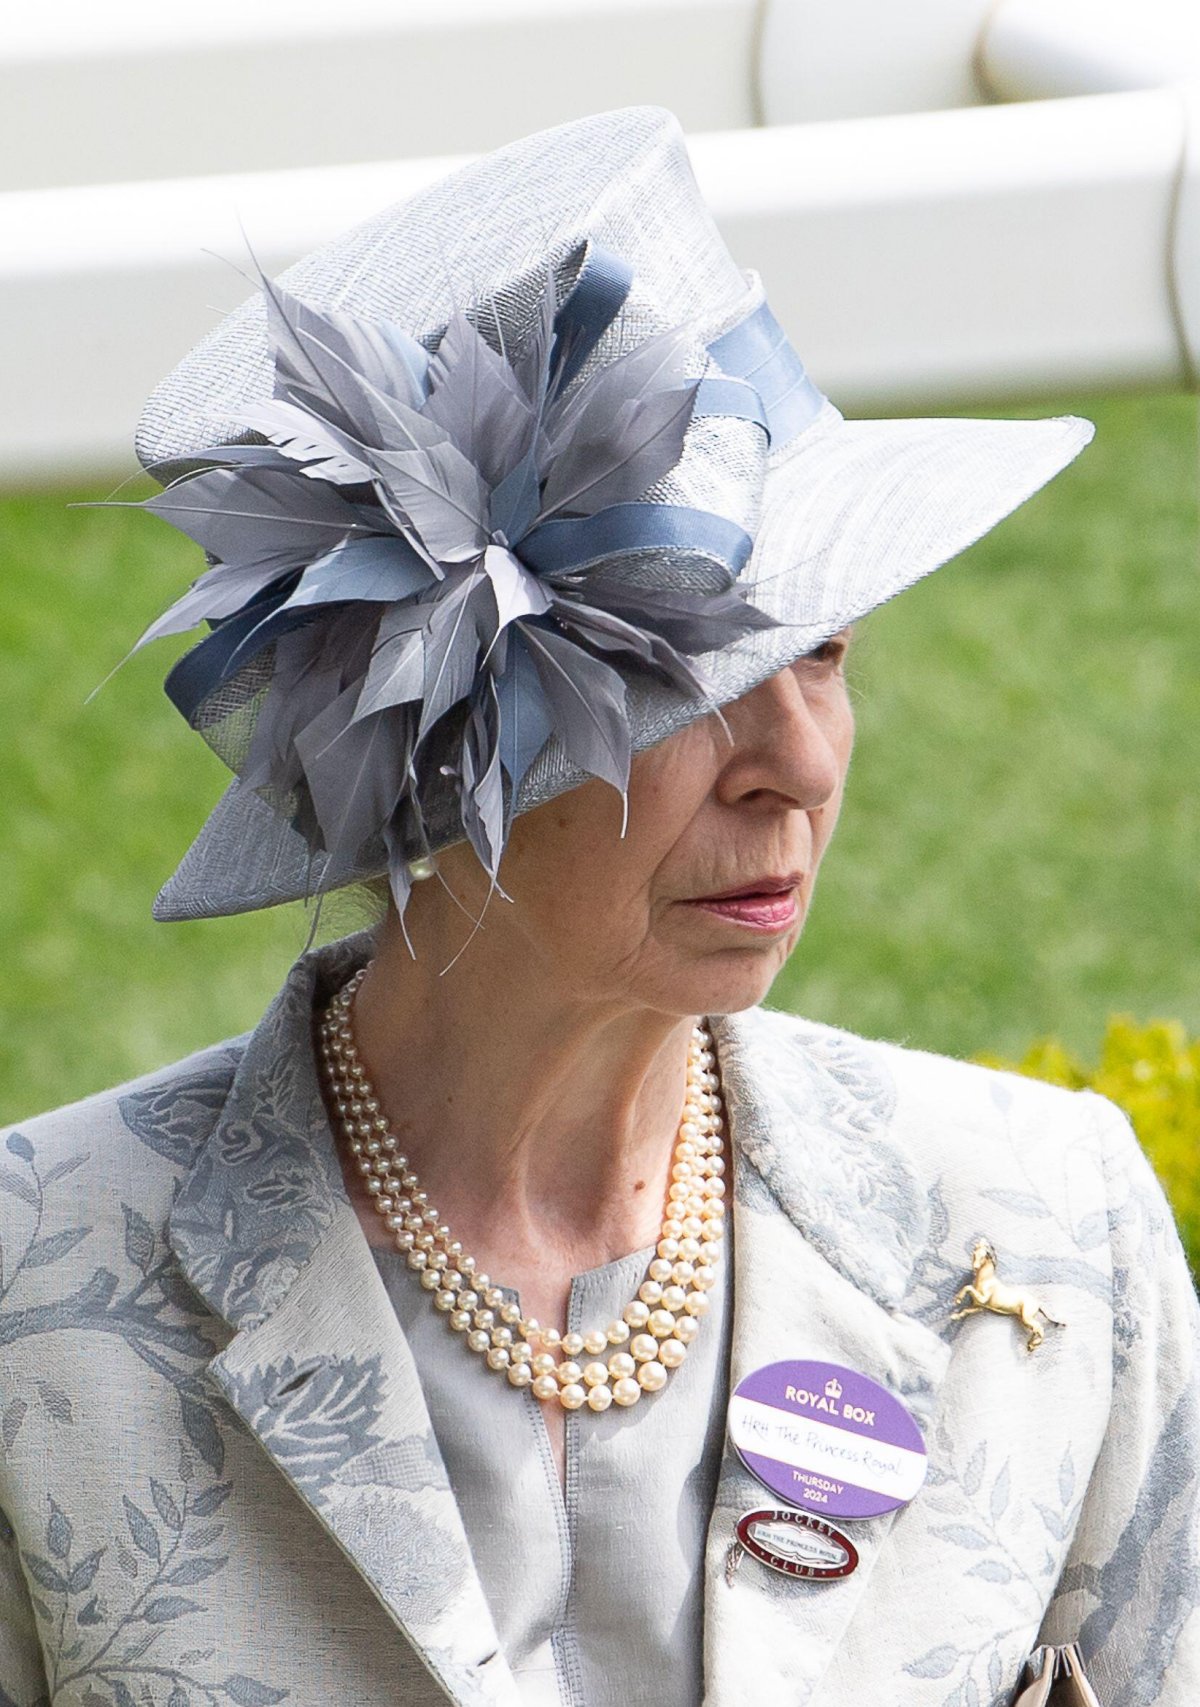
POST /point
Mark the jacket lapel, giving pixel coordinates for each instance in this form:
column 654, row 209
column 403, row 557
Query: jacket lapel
column 828, row 1219
column 318, row 1367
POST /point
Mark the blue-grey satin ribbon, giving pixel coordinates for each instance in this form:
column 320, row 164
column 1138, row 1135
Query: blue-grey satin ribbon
column 762, row 380
column 560, row 546
column 756, row 350
column 600, row 290
column 731, row 397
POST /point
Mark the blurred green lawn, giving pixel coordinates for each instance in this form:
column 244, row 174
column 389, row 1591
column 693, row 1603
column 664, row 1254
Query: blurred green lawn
column 1018, row 854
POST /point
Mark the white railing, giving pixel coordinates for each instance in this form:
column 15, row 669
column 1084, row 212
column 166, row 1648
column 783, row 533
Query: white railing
column 923, row 259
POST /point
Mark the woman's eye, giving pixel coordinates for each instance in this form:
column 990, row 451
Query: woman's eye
column 831, row 651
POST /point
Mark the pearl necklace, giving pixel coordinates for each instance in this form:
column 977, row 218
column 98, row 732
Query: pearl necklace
column 629, row 1357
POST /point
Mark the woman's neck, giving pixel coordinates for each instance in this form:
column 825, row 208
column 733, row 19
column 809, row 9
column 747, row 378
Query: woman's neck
column 542, row 1127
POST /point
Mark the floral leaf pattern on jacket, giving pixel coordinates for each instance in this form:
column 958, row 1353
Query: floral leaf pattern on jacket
column 106, row 1625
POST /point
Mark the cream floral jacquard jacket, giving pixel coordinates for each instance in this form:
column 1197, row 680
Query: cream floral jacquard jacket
column 219, row 1484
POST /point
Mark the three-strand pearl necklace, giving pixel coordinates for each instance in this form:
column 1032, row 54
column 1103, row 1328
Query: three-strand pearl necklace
column 614, row 1365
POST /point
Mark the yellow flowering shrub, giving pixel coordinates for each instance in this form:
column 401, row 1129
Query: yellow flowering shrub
column 1153, row 1073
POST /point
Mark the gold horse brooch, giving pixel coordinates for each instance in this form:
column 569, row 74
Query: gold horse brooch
column 986, row 1292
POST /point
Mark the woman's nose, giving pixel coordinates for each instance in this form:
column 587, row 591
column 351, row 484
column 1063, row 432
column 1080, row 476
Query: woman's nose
column 787, row 745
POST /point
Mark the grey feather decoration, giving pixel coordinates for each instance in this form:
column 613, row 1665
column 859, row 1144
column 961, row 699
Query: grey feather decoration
column 368, row 597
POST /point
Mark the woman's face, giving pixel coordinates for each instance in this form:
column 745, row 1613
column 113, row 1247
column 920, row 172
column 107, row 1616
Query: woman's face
column 622, row 920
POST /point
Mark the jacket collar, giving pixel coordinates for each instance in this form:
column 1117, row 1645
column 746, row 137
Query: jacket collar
column 829, row 1218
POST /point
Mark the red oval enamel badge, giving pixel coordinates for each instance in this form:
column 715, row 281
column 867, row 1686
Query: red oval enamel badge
column 797, row 1544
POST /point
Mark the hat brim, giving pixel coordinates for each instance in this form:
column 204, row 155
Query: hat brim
column 854, row 512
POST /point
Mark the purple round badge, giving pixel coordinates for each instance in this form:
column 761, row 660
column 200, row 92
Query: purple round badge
column 827, row 1439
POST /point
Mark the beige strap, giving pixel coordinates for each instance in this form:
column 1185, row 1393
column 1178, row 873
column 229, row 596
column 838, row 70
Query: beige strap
column 1054, row 1677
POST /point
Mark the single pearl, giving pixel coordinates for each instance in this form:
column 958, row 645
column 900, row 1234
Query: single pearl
column 686, row 1329
column 660, row 1270
column 636, row 1314
column 543, row 1364
column 625, row 1392
column 661, row 1324
column 545, row 1388
column 697, row 1304
column 521, row 1353
column 671, row 1353
column 617, row 1333
column 620, row 1365
column 431, row 1279
column 650, row 1293
column 519, row 1375
column 594, row 1374
column 652, row 1376
column 705, row 1277
column 502, row 1336
column 595, row 1342
column 668, row 1249
column 569, row 1373
column 643, row 1347
column 673, row 1298
column 460, row 1321
column 498, row 1358
column 572, row 1396
column 599, row 1398
column 572, row 1344
column 510, row 1313
column 444, row 1301
column 478, row 1340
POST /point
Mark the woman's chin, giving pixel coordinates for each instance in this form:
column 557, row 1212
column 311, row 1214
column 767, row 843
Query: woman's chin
column 728, row 982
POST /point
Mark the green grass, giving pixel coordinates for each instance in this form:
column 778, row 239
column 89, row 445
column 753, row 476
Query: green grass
column 1017, row 855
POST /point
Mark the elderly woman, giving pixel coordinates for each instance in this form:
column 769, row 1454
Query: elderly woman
column 741, row 1360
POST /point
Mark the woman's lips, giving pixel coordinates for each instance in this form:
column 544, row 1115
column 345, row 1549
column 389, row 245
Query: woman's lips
column 762, row 912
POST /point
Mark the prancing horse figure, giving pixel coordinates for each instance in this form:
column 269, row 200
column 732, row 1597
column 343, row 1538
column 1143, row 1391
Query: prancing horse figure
column 988, row 1293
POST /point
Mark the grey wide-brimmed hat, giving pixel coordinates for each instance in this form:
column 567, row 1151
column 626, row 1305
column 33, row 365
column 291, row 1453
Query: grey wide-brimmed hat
column 566, row 488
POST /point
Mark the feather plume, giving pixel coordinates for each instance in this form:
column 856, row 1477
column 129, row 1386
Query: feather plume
column 371, row 552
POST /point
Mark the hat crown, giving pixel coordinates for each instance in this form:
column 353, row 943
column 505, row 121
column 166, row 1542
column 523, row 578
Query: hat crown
column 486, row 240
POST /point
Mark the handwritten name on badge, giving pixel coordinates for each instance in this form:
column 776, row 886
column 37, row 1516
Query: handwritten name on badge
column 828, row 1438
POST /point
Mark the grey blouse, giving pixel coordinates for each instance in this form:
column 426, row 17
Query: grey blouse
column 598, row 1596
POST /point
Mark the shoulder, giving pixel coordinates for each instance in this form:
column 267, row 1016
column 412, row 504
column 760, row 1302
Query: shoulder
column 71, row 1166
column 987, row 1150
column 950, row 1099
